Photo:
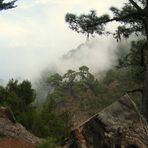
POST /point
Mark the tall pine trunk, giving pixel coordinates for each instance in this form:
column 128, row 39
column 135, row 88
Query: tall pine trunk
column 145, row 95
column 145, row 88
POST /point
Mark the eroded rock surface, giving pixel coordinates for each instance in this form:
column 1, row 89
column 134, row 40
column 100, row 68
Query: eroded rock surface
column 118, row 126
column 13, row 134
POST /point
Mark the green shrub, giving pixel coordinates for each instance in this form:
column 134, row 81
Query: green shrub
column 50, row 142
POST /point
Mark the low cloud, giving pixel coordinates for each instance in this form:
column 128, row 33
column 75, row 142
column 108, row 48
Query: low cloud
column 97, row 54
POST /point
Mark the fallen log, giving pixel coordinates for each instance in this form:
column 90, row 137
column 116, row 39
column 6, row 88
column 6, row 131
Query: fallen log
column 120, row 125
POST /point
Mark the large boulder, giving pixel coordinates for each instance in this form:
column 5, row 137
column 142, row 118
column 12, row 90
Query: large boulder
column 13, row 134
column 118, row 126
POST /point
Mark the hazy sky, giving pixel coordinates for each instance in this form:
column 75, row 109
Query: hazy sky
column 34, row 34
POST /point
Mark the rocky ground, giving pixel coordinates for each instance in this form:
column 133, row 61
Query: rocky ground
column 13, row 134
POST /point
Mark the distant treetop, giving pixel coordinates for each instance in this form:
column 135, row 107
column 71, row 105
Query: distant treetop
column 86, row 23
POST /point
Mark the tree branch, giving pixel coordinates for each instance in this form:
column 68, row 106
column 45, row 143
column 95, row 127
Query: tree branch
column 146, row 7
column 135, row 90
column 135, row 15
column 8, row 5
column 135, row 5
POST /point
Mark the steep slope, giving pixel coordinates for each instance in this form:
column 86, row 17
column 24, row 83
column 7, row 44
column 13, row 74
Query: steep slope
column 13, row 134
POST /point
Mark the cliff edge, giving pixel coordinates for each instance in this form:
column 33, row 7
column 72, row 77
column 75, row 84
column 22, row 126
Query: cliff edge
column 13, row 134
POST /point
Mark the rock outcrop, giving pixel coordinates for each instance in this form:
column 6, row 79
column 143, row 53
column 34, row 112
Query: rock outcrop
column 13, row 134
column 118, row 126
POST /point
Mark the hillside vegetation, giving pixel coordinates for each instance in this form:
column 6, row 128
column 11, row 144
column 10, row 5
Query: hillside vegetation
column 74, row 97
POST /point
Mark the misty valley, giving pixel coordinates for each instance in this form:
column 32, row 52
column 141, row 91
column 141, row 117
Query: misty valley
column 93, row 94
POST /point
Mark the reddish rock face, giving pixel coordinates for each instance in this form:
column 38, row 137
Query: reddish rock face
column 13, row 134
column 118, row 126
column 15, row 143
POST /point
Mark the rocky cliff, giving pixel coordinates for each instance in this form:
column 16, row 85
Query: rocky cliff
column 118, row 126
column 13, row 134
